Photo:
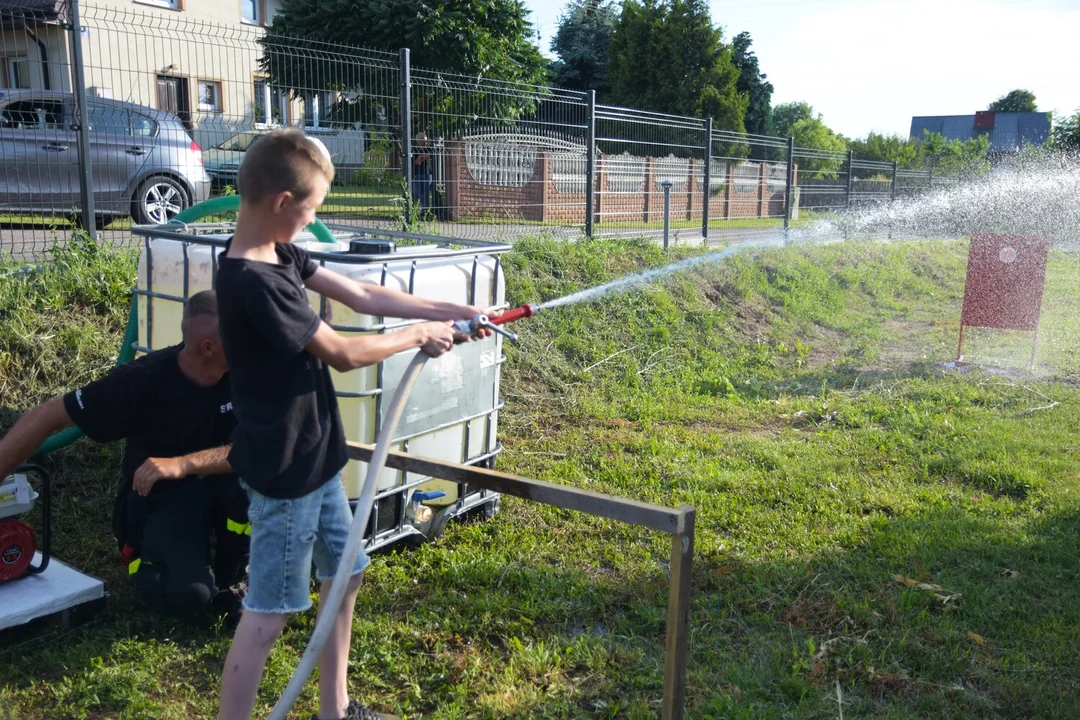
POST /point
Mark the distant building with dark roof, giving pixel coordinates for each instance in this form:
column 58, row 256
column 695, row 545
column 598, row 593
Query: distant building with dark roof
column 1008, row 132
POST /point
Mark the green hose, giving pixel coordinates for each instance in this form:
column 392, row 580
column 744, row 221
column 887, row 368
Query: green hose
column 58, row 440
column 231, row 203
column 214, row 206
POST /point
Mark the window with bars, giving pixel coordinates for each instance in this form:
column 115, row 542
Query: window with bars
column 317, row 109
column 271, row 104
column 210, row 95
column 170, row 4
column 16, row 73
column 251, row 11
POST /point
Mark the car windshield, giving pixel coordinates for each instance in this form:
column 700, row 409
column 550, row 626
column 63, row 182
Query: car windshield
column 239, row 143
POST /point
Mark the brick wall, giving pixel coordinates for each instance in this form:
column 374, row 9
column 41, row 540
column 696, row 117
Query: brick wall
column 539, row 200
column 468, row 199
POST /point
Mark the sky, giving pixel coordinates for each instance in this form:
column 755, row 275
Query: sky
column 870, row 65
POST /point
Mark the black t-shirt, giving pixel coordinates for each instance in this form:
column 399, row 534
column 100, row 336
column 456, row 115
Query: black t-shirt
column 422, row 169
column 155, row 407
column 288, row 440
column 151, row 404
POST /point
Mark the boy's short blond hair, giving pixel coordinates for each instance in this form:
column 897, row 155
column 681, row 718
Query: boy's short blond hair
column 282, row 161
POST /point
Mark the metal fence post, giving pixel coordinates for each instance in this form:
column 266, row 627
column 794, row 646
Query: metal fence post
column 406, row 132
column 850, row 177
column 590, row 164
column 707, row 191
column 893, row 197
column 790, row 180
column 666, row 184
column 82, row 123
column 678, row 619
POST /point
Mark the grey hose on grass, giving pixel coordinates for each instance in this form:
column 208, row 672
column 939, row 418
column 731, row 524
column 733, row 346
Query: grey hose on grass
column 332, row 604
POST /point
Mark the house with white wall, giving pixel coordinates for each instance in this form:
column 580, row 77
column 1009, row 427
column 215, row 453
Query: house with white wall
column 198, row 59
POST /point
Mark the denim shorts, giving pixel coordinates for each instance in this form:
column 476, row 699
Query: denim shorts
column 285, row 536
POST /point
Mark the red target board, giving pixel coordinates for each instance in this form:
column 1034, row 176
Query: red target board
column 1004, row 286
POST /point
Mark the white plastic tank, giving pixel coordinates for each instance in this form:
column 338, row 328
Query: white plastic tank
column 171, row 270
column 452, row 414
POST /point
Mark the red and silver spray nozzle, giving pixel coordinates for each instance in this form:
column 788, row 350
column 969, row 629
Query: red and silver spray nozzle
column 470, row 327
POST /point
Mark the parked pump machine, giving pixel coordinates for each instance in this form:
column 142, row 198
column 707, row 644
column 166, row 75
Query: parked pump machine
column 18, row 540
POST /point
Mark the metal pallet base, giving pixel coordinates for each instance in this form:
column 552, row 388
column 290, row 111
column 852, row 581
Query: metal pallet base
column 60, row 591
column 399, row 532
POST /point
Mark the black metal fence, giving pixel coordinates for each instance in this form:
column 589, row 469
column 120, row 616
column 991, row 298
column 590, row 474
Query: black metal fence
column 153, row 109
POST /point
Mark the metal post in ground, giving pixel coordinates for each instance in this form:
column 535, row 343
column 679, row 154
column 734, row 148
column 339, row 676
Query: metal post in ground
column 666, row 184
column 678, row 619
column 590, row 164
column 406, row 134
column 893, row 181
column 789, row 181
column 82, row 123
column 850, row 177
column 707, row 190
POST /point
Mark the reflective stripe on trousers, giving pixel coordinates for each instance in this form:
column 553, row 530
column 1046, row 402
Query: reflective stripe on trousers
column 238, row 528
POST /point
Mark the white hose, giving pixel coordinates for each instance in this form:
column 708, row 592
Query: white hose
column 332, row 603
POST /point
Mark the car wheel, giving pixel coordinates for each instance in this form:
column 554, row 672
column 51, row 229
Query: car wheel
column 158, row 200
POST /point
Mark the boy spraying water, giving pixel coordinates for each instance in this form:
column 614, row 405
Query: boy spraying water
column 289, row 447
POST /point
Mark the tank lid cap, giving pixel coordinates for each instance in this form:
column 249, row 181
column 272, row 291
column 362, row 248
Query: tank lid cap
column 372, row 246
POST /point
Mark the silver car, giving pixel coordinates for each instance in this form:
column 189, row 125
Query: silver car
column 144, row 162
column 345, row 145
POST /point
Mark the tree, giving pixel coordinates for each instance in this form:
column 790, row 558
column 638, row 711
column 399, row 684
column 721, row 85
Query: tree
column 785, row 116
column 639, row 28
column 755, row 85
column 886, row 148
column 482, row 40
column 1015, row 101
column 667, row 56
column 581, row 43
column 954, row 157
column 799, row 121
column 1066, row 134
column 812, row 133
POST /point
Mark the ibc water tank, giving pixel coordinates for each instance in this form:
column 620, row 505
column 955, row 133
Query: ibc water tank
column 452, row 414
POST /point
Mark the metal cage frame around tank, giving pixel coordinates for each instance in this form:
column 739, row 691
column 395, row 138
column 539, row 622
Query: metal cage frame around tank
column 379, row 532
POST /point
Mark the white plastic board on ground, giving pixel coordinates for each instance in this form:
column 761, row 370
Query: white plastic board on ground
column 58, row 588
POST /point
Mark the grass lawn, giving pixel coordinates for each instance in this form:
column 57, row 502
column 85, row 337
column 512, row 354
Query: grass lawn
column 366, row 202
column 341, row 200
column 873, row 525
column 362, row 201
column 717, row 223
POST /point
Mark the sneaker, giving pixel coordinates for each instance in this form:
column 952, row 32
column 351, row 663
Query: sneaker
column 230, row 603
column 356, row 711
